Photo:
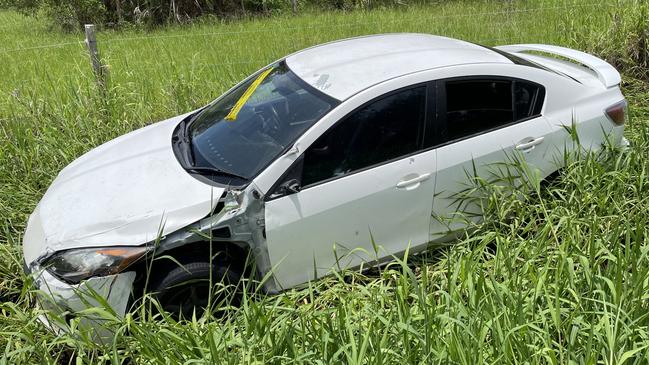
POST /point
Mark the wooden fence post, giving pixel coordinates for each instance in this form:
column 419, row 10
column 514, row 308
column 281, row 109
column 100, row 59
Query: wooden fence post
column 294, row 3
column 95, row 61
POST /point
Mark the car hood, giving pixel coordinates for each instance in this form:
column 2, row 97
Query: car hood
column 125, row 192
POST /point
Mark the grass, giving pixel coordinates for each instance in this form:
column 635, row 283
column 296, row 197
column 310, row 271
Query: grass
column 563, row 281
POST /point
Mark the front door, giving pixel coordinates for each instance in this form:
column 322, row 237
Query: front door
column 365, row 192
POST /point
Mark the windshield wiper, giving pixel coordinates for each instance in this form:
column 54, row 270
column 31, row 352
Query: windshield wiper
column 215, row 170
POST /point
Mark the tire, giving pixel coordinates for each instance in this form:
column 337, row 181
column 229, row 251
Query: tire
column 185, row 289
column 551, row 179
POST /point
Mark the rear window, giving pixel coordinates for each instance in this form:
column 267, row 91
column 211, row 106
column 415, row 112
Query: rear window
column 521, row 61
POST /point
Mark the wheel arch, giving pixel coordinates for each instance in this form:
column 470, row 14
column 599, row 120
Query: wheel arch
column 235, row 254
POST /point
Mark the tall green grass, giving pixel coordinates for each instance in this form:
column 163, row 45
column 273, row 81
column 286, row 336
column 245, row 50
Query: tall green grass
column 560, row 277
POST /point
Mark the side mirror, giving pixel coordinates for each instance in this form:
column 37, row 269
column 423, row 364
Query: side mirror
column 290, row 187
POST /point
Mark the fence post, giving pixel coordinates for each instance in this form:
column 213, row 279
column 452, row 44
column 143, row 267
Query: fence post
column 294, row 3
column 95, row 61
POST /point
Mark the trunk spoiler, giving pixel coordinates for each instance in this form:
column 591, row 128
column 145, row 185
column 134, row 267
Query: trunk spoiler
column 606, row 73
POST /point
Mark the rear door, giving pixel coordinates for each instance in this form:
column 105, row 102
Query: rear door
column 487, row 128
column 365, row 192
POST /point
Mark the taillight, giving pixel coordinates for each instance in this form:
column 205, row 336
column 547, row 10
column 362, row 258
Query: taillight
column 617, row 112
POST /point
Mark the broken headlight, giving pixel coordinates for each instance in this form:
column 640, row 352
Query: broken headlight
column 75, row 265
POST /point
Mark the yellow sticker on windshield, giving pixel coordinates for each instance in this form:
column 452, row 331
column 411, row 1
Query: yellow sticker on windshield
column 232, row 115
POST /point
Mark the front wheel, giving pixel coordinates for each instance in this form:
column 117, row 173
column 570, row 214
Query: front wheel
column 197, row 285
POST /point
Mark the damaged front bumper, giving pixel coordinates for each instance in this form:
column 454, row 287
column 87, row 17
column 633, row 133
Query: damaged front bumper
column 237, row 219
column 92, row 303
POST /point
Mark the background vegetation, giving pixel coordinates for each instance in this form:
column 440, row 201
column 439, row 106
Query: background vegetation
column 72, row 14
column 564, row 281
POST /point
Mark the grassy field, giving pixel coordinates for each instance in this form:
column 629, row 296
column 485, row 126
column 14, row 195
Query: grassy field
column 565, row 281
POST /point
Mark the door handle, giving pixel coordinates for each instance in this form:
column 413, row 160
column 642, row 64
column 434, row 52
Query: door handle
column 528, row 145
column 414, row 180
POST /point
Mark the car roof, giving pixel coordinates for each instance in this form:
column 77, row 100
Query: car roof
column 343, row 68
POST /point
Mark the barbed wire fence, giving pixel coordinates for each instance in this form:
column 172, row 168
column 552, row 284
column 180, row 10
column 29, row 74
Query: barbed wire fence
column 100, row 70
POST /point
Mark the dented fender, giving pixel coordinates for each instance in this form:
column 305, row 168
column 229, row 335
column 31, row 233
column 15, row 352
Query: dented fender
column 241, row 212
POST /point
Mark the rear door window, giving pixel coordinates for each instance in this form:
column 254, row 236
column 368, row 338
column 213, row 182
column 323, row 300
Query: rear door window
column 528, row 99
column 472, row 106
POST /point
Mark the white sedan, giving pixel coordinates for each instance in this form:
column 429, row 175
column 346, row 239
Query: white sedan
column 335, row 156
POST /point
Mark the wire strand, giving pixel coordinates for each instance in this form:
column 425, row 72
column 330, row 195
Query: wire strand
column 327, row 25
column 316, row 26
column 261, row 62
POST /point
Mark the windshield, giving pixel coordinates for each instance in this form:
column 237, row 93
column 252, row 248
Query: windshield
column 246, row 129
